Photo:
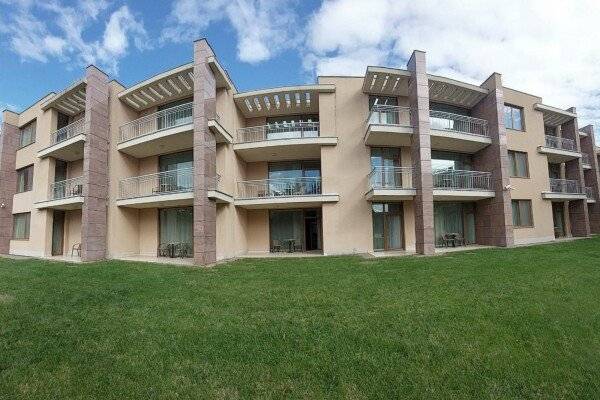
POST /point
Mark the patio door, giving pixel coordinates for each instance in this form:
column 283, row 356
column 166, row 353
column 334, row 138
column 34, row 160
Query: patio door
column 58, row 232
column 176, row 227
column 558, row 215
column 388, row 226
column 386, row 159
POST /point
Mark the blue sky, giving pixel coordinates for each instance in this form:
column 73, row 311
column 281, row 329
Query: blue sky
column 44, row 46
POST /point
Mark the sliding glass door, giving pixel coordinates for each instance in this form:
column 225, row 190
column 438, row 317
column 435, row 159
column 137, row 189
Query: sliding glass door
column 456, row 220
column 295, row 230
column 176, row 227
column 388, row 226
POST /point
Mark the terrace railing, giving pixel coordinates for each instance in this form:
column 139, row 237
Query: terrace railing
column 66, row 189
column 279, row 130
column 565, row 186
column 585, row 159
column 67, row 132
column 279, row 187
column 168, row 182
column 164, row 119
column 390, row 178
column 389, row 115
column 458, row 123
column 559, row 143
column 462, row 180
column 589, row 192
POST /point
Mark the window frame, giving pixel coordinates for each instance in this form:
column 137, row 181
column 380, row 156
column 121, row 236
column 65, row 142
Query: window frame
column 512, row 108
column 519, row 224
column 27, row 216
column 513, row 164
column 28, row 179
column 32, row 138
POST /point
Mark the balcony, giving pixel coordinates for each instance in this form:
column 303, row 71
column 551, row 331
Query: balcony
column 586, row 161
column 564, row 190
column 390, row 183
column 165, row 131
column 222, row 135
column 64, row 195
column 164, row 189
column 281, row 141
column 217, row 193
column 282, row 193
column 458, row 185
column 455, row 132
column 559, row 150
column 66, row 143
column 589, row 193
column 388, row 126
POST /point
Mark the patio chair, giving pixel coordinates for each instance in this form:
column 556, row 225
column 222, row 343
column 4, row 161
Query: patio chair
column 76, row 248
column 298, row 247
column 459, row 240
column 164, row 250
column 276, row 247
column 448, row 239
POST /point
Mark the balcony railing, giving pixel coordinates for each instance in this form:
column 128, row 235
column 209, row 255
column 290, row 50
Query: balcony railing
column 556, row 142
column 458, row 123
column 168, row 182
column 565, row 186
column 389, row 115
column 462, row 180
column 589, row 192
column 164, row 119
column 585, row 159
column 67, row 132
column 275, row 131
column 65, row 189
column 390, row 178
column 279, row 187
column 214, row 183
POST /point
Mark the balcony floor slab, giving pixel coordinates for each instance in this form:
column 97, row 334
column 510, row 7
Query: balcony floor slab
column 390, row 194
column 70, row 203
column 67, row 150
column 219, row 197
column 462, row 195
column 388, row 135
column 159, row 201
column 556, row 196
column 285, row 202
column 458, row 141
column 283, row 149
column 161, row 142
column 556, row 156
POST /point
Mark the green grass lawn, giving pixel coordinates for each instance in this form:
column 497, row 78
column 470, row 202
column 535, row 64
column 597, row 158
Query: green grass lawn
column 518, row 323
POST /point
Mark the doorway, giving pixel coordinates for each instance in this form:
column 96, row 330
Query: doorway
column 558, row 215
column 58, row 232
column 388, row 226
column 295, row 230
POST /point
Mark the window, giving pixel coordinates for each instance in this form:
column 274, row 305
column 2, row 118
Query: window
column 27, row 134
column 522, row 215
column 24, row 179
column 518, row 164
column 21, row 226
column 513, row 117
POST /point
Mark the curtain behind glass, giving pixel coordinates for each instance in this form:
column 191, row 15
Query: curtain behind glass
column 176, row 225
column 286, row 226
column 448, row 218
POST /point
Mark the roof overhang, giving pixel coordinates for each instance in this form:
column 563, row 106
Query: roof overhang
column 175, row 84
column 70, row 101
column 386, row 81
column 450, row 91
column 221, row 76
column 554, row 116
column 281, row 101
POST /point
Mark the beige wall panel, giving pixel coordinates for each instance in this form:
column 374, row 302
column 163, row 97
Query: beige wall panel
column 258, row 231
column 148, row 232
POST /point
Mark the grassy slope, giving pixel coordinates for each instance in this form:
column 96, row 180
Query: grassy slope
column 519, row 323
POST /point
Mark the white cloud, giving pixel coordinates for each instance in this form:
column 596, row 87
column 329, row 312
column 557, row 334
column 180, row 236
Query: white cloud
column 549, row 48
column 51, row 29
column 264, row 28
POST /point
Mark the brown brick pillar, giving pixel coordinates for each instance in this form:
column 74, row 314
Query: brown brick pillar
column 205, row 148
column 418, row 96
column 493, row 217
column 9, row 141
column 95, row 166
column 578, row 210
column 592, row 176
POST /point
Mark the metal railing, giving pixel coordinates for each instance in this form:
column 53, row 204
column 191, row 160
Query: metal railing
column 556, row 142
column 65, row 189
column 67, row 132
column 168, row 182
column 565, row 186
column 589, row 192
column 458, row 123
column 214, row 183
column 279, row 187
column 462, row 180
column 389, row 115
column 585, row 159
column 275, row 131
column 390, row 178
column 164, row 119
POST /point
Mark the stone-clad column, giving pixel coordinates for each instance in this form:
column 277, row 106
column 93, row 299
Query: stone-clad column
column 95, row 166
column 205, row 150
column 418, row 96
column 592, row 176
column 494, row 216
column 578, row 209
column 9, row 141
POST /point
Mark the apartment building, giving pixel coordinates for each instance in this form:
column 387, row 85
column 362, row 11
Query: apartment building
column 184, row 166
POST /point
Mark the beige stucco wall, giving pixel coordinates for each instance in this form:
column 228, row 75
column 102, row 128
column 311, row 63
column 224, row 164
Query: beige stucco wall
column 72, row 234
column 531, row 188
